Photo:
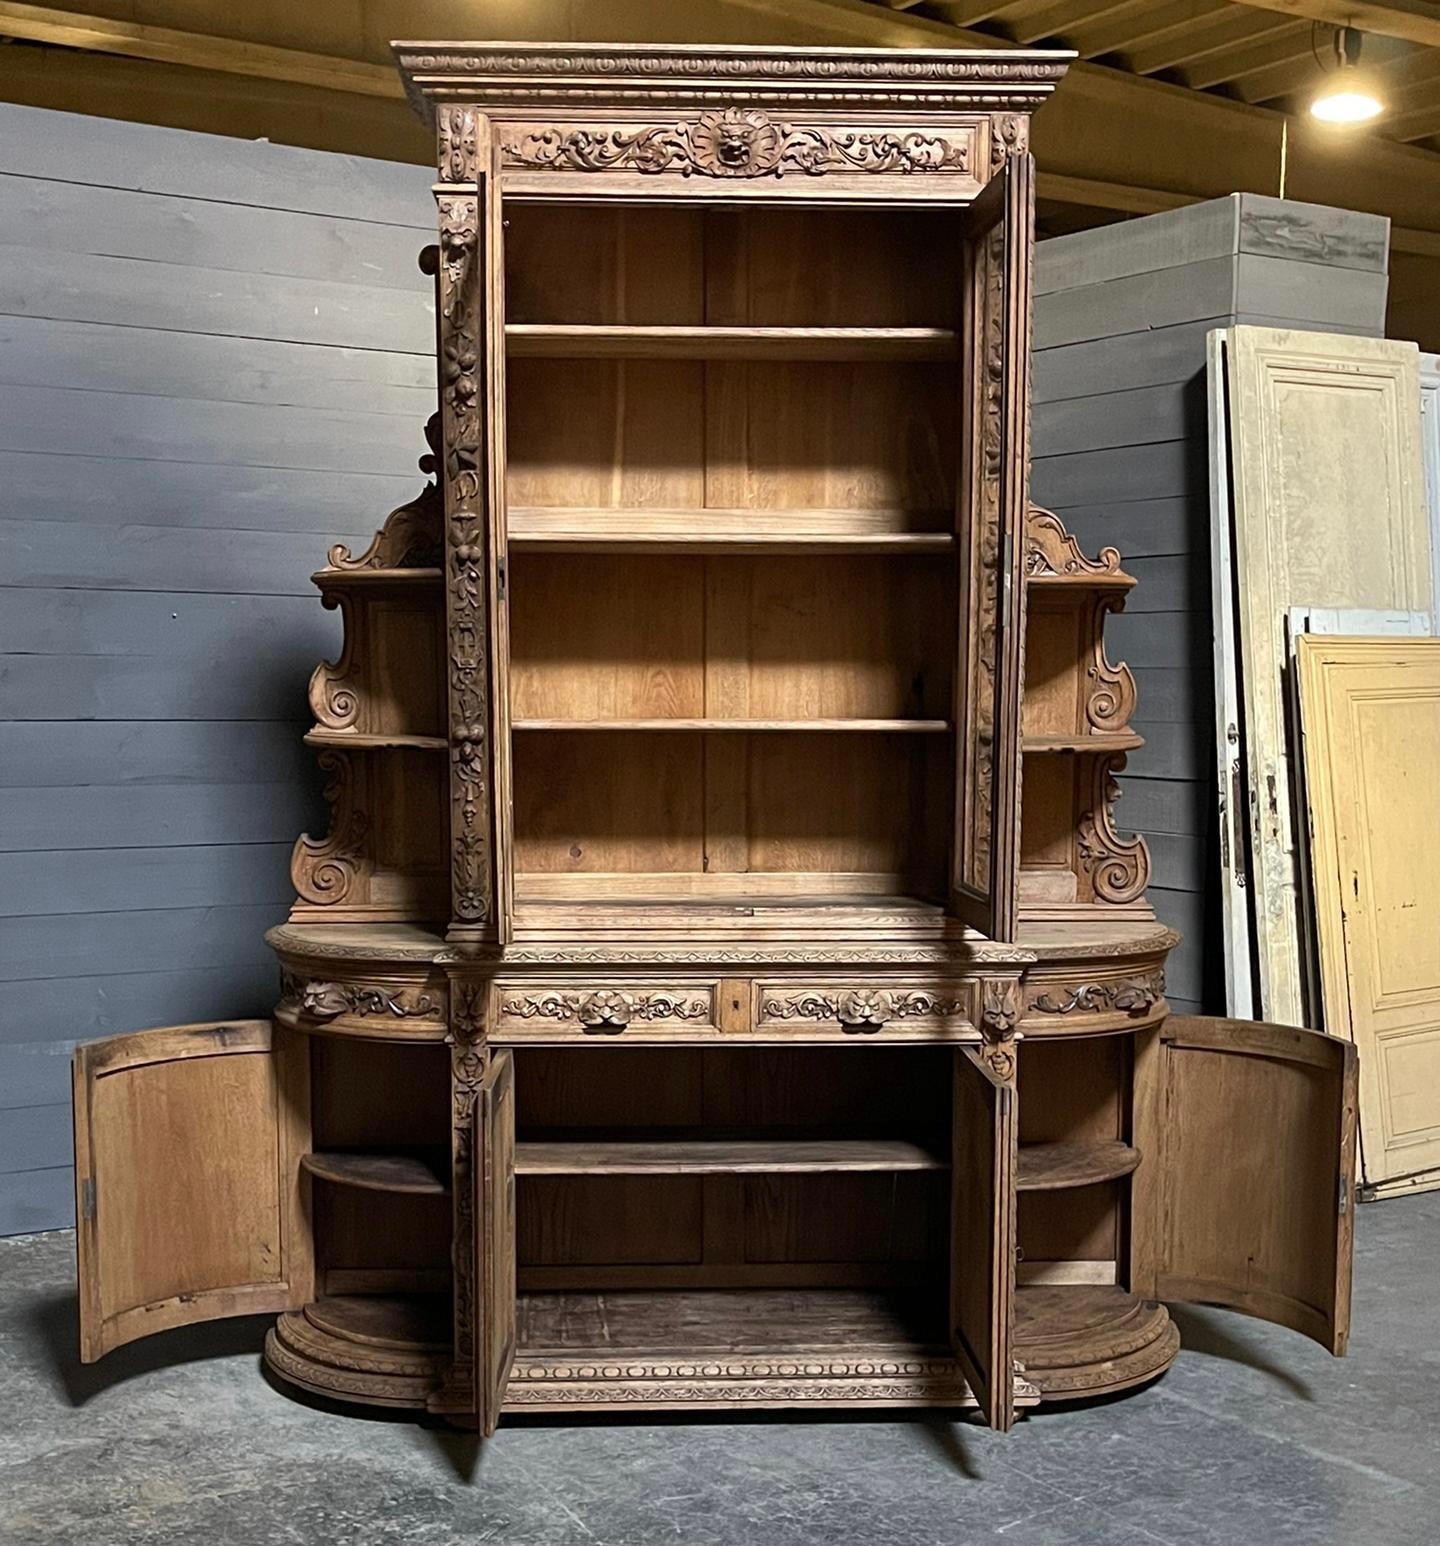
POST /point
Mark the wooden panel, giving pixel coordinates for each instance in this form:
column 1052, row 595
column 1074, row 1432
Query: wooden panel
column 1371, row 719
column 723, row 1156
column 180, row 1142
column 1256, row 1171
column 494, row 1215
column 1328, row 511
column 982, row 1238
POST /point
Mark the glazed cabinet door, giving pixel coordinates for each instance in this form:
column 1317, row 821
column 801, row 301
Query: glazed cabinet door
column 994, row 496
column 982, row 1234
column 494, row 1181
column 187, row 1178
column 1254, row 1128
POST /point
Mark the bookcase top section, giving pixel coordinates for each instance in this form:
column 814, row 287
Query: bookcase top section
column 607, row 76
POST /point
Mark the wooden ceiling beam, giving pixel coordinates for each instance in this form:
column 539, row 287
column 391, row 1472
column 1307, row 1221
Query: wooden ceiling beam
column 1201, row 40
column 1417, row 21
column 200, row 51
column 1138, row 25
column 1059, row 18
column 1235, row 65
column 1418, row 124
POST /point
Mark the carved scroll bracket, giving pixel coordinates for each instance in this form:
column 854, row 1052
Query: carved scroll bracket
column 1118, row 868
column 1110, row 694
column 1001, row 1005
column 1050, row 549
column 325, row 870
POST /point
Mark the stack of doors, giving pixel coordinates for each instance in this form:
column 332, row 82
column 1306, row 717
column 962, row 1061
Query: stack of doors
column 1328, row 710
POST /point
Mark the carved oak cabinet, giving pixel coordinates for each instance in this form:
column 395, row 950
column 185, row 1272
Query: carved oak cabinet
column 683, row 1009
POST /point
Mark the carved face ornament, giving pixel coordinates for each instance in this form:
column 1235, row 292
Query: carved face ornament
column 735, row 142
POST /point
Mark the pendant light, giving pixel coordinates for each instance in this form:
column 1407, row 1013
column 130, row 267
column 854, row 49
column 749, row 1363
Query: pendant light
column 1347, row 95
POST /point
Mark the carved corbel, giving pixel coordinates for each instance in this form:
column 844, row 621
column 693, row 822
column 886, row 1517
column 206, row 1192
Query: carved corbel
column 1001, row 1005
column 333, row 699
column 325, row 870
column 1110, row 690
column 1118, row 868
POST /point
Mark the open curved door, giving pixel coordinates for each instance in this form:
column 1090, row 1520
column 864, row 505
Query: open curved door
column 1255, row 1128
column 187, row 1178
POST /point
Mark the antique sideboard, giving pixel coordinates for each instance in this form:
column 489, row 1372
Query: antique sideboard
column 722, row 982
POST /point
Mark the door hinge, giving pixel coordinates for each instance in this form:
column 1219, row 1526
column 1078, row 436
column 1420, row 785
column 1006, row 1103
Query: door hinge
column 87, row 1199
column 1344, row 1197
column 500, row 579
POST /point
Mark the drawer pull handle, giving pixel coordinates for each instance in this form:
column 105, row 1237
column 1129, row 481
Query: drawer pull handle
column 605, row 1012
column 864, row 1010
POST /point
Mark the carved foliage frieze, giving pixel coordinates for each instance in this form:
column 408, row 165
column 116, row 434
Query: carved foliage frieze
column 327, row 1000
column 1129, row 995
column 861, row 1009
column 606, row 1009
column 738, row 142
column 1117, row 868
column 327, row 870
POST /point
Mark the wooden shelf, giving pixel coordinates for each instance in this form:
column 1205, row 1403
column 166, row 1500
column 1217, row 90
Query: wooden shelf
column 726, row 1157
column 1083, row 583
column 1050, row 745
column 1054, row 1167
column 329, row 579
column 621, row 342
column 742, row 726
column 562, row 529
column 354, row 742
column 381, row 1172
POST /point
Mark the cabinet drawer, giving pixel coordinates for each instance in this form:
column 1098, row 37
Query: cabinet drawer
column 826, row 1011
column 629, row 1010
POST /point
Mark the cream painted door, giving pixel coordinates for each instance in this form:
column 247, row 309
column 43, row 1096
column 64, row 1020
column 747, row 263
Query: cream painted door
column 1430, row 449
column 1370, row 713
column 1328, row 510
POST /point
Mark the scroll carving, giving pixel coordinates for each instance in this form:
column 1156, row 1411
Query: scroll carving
column 1008, row 135
column 1000, row 1009
column 861, row 1009
column 411, row 535
column 465, row 545
column 1118, row 868
column 1129, row 995
column 1050, row 549
column 327, row 1000
column 737, row 142
column 333, row 699
column 325, row 870
column 1110, row 690
column 606, row 1009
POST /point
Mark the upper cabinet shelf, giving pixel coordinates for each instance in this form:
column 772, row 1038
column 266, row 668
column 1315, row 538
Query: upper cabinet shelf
column 565, row 529
column 378, row 579
column 781, row 344
column 882, row 726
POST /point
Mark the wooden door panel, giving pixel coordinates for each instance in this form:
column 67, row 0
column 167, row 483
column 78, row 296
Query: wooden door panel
column 982, row 1243
column 187, row 1145
column 994, row 498
column 1370, row 713
column 1256, row 1168
column 494, row 1180
column 1328, row 510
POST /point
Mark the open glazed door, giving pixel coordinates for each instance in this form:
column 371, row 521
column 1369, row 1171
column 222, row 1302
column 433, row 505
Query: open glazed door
column 494, row 1181
column 982, row 1235
column 994, row 497
column 1256, row 1131
column 187, row 1179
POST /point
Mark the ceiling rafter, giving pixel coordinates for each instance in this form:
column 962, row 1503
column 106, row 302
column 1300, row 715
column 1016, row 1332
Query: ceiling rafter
column 1234, row 65
column 1416, row 21
column 1418, row 124
column 1200, row 40
column 1059, row 18
column 1141, row 25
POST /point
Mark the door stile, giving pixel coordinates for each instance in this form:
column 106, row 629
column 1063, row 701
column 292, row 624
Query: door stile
column 494, row 1182
column 991, row 511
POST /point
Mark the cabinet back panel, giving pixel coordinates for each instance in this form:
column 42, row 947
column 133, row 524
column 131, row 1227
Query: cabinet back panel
column 1047, row 829
column 1070, row 1226
column 769, row 267
column 405, row 687
column 374, row 1095
column 573, row 1220
column 1054, row 644
column 896, row 1217
column 1073, row 1089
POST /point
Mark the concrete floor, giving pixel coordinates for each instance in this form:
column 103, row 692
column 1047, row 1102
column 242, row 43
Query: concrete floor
column 1256, row 1437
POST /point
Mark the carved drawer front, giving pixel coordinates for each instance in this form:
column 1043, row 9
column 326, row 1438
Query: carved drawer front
column 854, row 1010
column 598, row 1011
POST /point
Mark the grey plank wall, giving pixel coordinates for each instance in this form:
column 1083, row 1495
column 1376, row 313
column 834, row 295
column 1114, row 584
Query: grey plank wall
column 1120, row 444
column 215, row 360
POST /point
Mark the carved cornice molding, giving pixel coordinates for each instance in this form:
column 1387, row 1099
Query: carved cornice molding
column 606, row 75
column 411, row 535
column 1118, row 868
column 961, row 957
column 323, row 870
column 1050, row 549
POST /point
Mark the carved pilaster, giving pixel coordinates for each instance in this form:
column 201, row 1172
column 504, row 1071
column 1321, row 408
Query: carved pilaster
column 461, row 348
column 1009, row 133
column 1001, row 1004
column 325, row 870
column 1118, row 868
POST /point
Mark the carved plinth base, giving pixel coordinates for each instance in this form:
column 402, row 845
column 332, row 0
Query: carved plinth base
column 1079, row 1341
column 374, row 1349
